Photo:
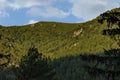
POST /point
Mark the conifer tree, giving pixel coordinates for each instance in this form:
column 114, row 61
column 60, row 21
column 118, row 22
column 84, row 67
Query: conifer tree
column 106, row 66
column 34, row 66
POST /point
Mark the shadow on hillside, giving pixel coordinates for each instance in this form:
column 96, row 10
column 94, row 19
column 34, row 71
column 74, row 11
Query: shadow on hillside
column 111, row 32
column 89, row 67
column 7, row 74
column 80, row 67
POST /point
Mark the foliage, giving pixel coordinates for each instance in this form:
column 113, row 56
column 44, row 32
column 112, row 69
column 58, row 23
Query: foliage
column 107, row 66
column 4, row 60
column 69, row 68
column 34, row 66
column 104, row 67
column 7, row 74
column 111, row 18
column 58, row 40
column 55, row 39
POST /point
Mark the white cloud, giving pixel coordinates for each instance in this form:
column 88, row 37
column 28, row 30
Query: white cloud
column 3, row 14
column 47, row 12
column 89, row 9
column 32, row 21
column 34, row 7
column 85, row 9
column 3, row 5
column 17, row 4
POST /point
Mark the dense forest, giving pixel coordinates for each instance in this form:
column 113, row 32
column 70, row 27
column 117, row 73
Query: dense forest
column 85, row 51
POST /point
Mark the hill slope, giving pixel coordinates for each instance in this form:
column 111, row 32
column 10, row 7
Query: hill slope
column 56, row 39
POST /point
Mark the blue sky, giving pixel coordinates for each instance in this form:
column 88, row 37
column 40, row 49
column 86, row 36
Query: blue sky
column 21, row 12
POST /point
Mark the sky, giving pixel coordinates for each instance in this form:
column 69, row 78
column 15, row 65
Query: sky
column 22, row 12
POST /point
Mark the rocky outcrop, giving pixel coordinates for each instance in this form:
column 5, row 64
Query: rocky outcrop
column 78, row 32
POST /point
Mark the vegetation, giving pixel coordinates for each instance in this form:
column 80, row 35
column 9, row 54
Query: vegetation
column 85, row 51
column 34, row 66
column 4, row 60
column 56, row 39
column 107, row 66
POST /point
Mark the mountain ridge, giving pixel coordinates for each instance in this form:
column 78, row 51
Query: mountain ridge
column 56, row 39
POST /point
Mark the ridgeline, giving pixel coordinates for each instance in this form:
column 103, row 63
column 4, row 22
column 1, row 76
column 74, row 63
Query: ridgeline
column 57, row 39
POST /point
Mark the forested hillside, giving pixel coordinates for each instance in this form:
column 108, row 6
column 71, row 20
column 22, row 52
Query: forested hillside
column 62, row 51
column 56, row 39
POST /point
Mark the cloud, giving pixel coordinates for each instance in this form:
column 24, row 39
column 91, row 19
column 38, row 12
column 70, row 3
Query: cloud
column 17, row 4
column 85, row 9
column 34, row 7
column 3, row 14
column 32, row 21
column 47, row 12
column 89, row 9
column 3, row 5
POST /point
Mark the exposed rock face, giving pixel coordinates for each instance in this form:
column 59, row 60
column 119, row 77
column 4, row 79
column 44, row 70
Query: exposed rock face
column 78, row 32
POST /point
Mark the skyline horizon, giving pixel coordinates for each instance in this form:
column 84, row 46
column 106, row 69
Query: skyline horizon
column 18, row 12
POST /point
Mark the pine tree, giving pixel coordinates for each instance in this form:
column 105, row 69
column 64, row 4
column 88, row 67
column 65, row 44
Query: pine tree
column 34, row 66
column 106, row 66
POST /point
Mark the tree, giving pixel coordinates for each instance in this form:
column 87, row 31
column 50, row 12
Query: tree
column 34, row 66
column 111, row 62
column 4, row 60
column 111, row 18
column 106, row 66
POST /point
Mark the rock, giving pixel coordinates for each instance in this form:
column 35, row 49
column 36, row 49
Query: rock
column 78, row 32
column 75, row 44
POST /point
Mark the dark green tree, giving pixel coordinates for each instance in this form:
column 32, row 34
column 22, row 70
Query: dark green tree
column 103, row 67
column 106, row 66
column 34, row 66
column 4, row 60
column 111, row 18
